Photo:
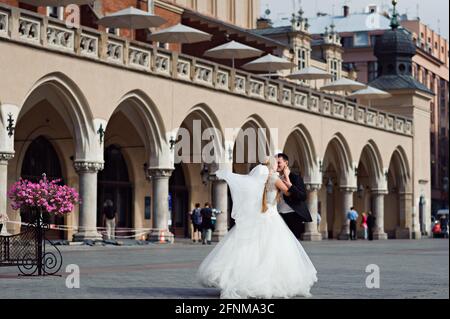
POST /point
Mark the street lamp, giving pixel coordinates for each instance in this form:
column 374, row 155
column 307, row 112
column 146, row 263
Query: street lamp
column 360, row 191
column 205, row 174
column 330, row 186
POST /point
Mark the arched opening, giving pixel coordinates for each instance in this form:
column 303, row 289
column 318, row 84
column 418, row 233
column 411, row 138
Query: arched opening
column 301, row 153
column 398, row 201
column 179, row 202
column 114, row 184
column 194, row 157
column 41, row 158
column 335, row 172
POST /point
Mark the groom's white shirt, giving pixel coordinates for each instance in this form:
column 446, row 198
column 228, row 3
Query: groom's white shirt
column 283, row 207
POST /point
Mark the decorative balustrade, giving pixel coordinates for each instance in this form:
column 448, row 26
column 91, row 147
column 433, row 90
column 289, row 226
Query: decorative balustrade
column 301, row 100
column 162, row 63
column 371, row 118
column 29, row 29
column 326, row 106
column 60, row 38
column 223, row 80
column 256, row 88
column 339, row 109
column 314, row 103
column 139, row 58
column 183, row 69
column 203, row 74
column 89, row 45
column 240, row 84
column 112, row 49
column 272, row 92
column 3, row 24
column 286, row 97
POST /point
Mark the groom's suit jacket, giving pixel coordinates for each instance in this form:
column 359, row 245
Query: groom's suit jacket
column 297, row 198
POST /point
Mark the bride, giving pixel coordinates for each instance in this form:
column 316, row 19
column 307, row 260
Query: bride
column 260, row 257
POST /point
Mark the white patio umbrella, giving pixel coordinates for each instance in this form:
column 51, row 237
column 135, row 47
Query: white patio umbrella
column 132, row 18
column 233, row 51
column 310, row 73
column 370, row 93
column 56, row 3
column 269, row 63
column 180, row 34
column 344, row 84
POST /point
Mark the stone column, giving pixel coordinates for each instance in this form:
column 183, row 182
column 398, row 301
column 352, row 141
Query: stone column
column 220, row 202
column 347, row 203
column 160, row 232
column 4, row 158
column 87, row 173
column 378, row 205
column 311, row 230
column 405, row 206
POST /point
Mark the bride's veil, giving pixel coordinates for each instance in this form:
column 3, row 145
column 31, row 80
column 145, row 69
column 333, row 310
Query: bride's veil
column 246, row 192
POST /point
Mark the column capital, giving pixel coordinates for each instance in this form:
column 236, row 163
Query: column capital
column 88, row 167
column 6, row 156
column 313, row 187
column 348, row 189
column 379, row 191
column 159, row 172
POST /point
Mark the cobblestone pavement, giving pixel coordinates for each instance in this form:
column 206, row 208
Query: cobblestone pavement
column 408, row 269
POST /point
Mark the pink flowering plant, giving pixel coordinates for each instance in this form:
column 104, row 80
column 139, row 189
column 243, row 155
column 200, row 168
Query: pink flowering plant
column 45, row 195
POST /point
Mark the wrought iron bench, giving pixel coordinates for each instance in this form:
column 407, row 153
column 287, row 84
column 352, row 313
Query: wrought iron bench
column 31, row 252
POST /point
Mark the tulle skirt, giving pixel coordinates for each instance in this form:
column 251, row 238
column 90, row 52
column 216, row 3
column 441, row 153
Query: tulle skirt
column 259, row 259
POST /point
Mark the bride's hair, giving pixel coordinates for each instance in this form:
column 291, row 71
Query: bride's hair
column 269, row 162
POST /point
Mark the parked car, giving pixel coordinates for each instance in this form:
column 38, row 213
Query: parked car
column 442, row 217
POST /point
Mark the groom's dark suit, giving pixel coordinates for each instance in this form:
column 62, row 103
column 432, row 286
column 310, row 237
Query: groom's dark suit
column 297, row 201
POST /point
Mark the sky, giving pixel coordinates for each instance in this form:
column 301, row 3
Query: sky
column 434, row 13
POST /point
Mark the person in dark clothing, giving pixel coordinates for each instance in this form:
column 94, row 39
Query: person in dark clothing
column 293, row 208
column 207, row 225
column 370, row 225
column 444, row 225
column 109, row 214
column 196, row 217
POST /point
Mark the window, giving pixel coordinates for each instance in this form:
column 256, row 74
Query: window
column 334, row 65
column 114, row 31
column 55, row 12
column 347, row 42
column 361, row 39
column 374, row 39
column 372, row 70
column 302, row 58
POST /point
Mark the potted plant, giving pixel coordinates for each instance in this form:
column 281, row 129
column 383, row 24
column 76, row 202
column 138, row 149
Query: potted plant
column 42, row 197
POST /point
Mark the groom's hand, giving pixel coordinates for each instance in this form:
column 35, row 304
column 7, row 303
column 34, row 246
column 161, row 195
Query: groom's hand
column 286, row 172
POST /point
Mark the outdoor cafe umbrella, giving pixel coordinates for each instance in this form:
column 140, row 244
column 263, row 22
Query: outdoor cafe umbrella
column 310, row 73
column 56, row 3
column 269, row 63
column 180, row 34
column 132, row 18
column 233, row 50
column 344, row 84
column 370, row 93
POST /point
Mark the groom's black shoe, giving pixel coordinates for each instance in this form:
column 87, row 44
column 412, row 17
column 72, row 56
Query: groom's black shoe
column 209, row 243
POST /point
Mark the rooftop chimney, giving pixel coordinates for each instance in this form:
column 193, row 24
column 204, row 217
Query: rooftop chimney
column 263, row 23
column 346, row 11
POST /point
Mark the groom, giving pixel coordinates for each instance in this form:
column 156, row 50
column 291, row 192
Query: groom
column 292, row 208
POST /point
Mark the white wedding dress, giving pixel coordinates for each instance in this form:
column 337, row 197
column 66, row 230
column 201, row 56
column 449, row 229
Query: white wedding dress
column 260, row 257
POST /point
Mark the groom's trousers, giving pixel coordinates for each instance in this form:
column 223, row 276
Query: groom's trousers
column 295, row 223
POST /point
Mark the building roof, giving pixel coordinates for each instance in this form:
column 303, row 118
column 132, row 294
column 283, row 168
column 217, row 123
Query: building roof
column 354, row 22
column 231, row 28
column 399, row 82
